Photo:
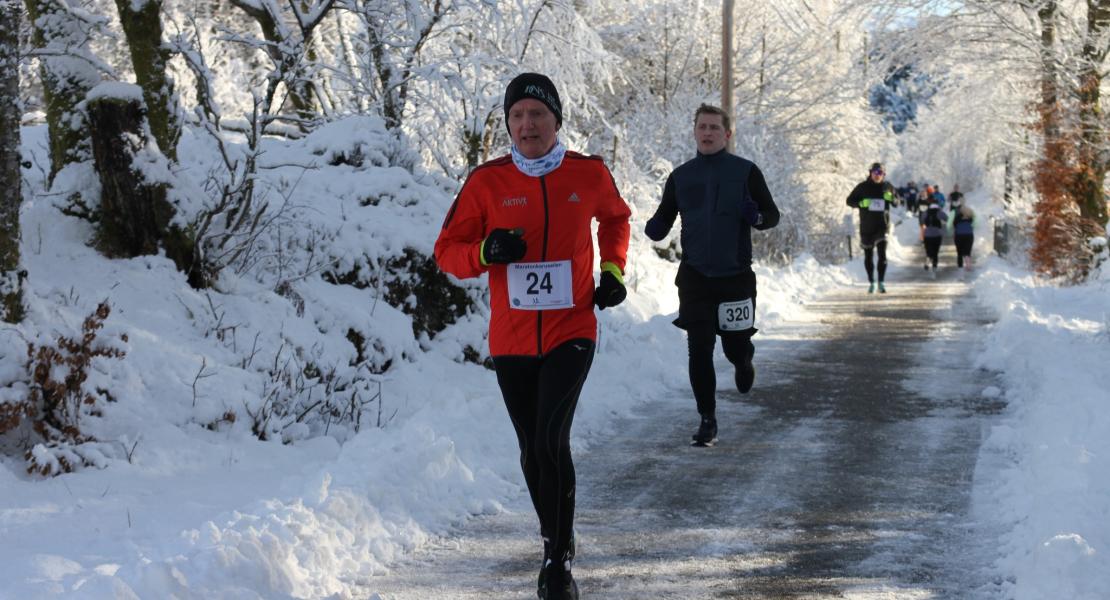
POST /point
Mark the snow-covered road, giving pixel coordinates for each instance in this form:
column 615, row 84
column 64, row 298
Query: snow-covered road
column 847, row 473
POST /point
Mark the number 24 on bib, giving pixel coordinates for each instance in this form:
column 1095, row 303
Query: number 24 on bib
column 736, row 316
column 540, row 285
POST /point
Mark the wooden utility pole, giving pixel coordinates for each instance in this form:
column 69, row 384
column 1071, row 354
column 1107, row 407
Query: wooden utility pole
column 726, row 61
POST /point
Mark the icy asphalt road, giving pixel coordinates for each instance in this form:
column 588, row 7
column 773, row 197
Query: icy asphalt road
column 847, row 473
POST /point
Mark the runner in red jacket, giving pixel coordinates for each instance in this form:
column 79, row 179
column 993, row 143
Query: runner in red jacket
column 526, row 219
column 554, row 213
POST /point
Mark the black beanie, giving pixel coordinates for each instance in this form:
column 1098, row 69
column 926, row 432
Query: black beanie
column 533, row 85
column 875, row 167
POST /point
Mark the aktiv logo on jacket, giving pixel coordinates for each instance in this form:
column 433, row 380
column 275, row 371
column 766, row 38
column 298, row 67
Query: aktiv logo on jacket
column 573, row 197
column 516, row 201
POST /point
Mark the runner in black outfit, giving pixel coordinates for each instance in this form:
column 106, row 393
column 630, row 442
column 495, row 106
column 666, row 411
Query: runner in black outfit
column 961, row 222
column 932, row 222
column 721, row 197
column 910, row 197
column 872, row 197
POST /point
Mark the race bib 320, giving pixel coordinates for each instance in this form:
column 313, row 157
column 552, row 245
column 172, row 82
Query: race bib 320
column 736, row 316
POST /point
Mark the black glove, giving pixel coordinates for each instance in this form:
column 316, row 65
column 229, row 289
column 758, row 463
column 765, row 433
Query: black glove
column 610, row 292
column 749, row 210
column 504, row 246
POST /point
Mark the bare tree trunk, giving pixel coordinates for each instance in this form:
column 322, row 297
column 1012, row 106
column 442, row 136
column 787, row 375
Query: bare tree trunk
column 63, row 86
column 1008, row 181
column 472, row 141
column 134, row 217
column 394, row 73
column 142, row 25
column 1050, row 108
column 11, row 276
column 1092, row 173
column 391, row 107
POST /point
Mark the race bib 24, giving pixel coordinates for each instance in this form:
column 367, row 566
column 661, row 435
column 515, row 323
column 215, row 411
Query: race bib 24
column 540, row 285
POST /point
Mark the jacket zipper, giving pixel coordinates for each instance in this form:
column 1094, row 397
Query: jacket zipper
column 543, row 258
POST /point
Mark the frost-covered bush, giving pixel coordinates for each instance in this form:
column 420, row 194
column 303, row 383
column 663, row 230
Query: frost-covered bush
column 344, row 240
column 43, row 407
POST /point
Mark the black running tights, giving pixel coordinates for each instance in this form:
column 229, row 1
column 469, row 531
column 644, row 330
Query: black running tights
column 963, row 247
column 869, row 262
column 541, row 394
column 701, row 338
column 932, row 249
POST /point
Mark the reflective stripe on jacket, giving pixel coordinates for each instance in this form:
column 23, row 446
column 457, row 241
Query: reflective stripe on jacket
column 872, row 222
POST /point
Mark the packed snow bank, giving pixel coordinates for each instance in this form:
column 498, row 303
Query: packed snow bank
column 1052, row 346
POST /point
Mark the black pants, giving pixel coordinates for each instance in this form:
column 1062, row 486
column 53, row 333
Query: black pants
column 541, row 394
column 701, row 339
column 932, row 249
column 963, row 247
column 698, row 298
column 868, row 260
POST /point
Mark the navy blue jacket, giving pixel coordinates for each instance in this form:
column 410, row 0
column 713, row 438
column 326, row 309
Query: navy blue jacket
column 710, row 191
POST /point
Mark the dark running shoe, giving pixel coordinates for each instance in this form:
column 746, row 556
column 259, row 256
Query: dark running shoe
column 541, row 581
column 707, row 432
column 560, row 583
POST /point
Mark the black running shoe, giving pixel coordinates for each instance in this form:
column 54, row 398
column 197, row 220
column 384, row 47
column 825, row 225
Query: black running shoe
column 541, row 581
column 560, row 583
column 707, row 432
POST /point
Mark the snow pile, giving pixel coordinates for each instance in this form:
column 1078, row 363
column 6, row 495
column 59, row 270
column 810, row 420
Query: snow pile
column 1052, row 346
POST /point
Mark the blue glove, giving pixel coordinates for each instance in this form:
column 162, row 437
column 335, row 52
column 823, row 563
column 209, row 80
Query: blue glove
column 750, row 211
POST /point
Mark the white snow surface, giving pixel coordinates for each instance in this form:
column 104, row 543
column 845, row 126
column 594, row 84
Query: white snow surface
column 186, row 506
column 1052, row 346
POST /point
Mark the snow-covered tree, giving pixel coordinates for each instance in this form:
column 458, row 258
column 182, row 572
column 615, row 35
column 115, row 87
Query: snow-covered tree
column 63, row 32
column 1063, row 49
column 142, row 24
column 287, row 38
column 11, row 195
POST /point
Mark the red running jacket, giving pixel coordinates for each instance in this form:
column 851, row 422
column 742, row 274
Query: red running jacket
column 555, row 211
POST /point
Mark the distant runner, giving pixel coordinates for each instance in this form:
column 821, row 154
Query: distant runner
column 932, row 221
column 961, row 222
column 872, row 197
column 909, row 197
